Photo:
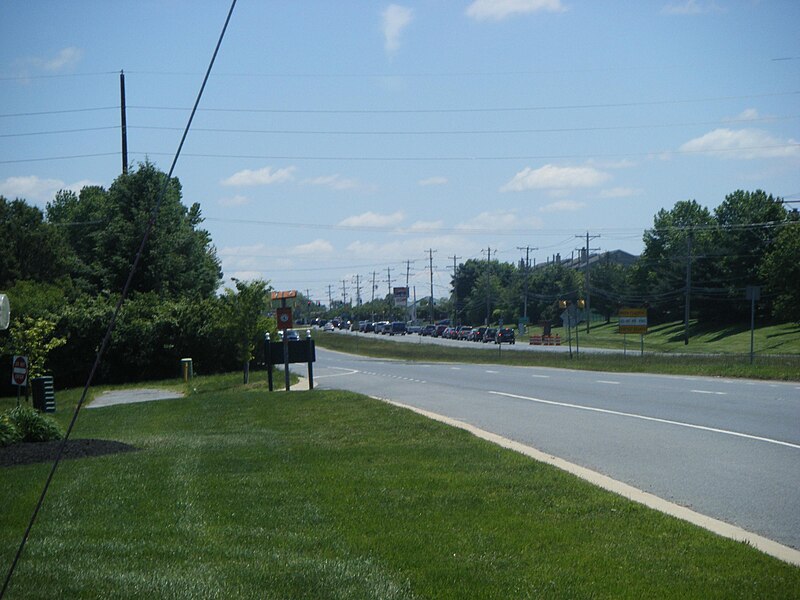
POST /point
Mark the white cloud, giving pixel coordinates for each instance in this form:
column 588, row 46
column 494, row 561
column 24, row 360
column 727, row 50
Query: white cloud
column 395, row 19
column 371, row 219
column 433, row 181
column 690, row 7
column 316, row 248
column 745, row 144
column 335, row 182
column 65, row 59
column 500, row 220
column 563, row 206
column 497, row 10
column 265, row 176
column 551, row 177
column 237, row 200
column 36, row 190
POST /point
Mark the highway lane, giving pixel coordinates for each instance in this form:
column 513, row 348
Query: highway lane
column 729, row 449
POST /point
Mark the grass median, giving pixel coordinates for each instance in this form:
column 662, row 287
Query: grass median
column 704, row 361
column 235, row 492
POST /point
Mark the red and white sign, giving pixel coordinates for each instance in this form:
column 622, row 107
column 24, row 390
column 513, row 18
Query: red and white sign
column 284, row 317
column 19, row 370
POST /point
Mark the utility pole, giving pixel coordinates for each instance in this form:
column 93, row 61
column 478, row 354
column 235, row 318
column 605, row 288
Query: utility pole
column 688, row 289
column 330, row 296
column 358, row 290
column 123, row 123
column 408, row 276
column 527, row 276
column 586, row 279
column 344, row 292
column 488, row 281
column 430, row 255
column 372, row 303
column 455, row 289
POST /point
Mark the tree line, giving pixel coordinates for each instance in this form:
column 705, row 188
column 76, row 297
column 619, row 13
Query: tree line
column 63, row 270
column 750, row 239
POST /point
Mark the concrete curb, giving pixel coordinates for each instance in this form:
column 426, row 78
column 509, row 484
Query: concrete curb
column 779, row 551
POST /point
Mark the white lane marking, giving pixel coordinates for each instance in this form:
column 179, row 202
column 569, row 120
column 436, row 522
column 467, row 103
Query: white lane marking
column 608, row 382
column 541, row 376
column 346, row 372
column 646, row 418
column 488, row 371
column 455, row 368
column 709, row 392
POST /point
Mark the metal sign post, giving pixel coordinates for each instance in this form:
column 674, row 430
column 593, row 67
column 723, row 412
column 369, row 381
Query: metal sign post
column 752, row 293
column 19, row 375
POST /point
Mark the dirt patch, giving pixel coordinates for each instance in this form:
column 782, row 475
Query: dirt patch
column 27, row 453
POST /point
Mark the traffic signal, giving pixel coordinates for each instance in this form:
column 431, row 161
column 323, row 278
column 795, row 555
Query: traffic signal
column 581, row 303
column 562, row 304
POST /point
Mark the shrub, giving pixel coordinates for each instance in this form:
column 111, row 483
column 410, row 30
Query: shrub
column 33, row 426
column 9, row 434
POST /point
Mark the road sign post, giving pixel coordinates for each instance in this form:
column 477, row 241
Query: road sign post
column 19, row 374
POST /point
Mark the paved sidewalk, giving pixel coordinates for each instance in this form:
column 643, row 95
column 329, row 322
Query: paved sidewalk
column 132, row 396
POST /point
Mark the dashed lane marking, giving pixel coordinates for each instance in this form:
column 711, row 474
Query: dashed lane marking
column 646, row 418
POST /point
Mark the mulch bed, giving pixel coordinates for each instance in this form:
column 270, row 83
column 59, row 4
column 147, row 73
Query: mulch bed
column 27, row 453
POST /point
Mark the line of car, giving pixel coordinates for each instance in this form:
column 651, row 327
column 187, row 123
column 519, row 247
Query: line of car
column 496, row 335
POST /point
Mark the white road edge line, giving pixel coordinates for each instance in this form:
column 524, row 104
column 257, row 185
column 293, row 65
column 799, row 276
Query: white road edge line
column 770, row 547
column 708, row 392
column 347, row 372
column 608, row 382
column 646, row 418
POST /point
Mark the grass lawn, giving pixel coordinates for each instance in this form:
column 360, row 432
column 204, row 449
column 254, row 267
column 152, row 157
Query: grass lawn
column 237, row 493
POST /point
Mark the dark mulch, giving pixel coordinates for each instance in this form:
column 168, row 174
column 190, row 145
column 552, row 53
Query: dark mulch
column 27, row 453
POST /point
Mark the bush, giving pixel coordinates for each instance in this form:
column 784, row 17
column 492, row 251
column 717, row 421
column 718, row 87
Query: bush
column 32, row 426
column 9, row 434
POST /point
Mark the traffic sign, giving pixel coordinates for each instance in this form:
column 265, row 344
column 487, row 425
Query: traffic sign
column 284, row 317
column 633, row 320
column 19, row 370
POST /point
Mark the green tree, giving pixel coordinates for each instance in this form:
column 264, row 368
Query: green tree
column 780, row 269
column 746, row 227
column 106, row 229
column 35, row 338
column 245, row 313
column 30, row 248
column 678, row 236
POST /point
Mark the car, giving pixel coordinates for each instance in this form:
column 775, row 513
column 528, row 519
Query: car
column 463, row 332
column 414, row 329
column 328, row 326
column 476, row 335
column 440, row 329
column 289, row 334
column 382, row 327
column 489, row 335
column 397, row 328
column 428, row 330
column 504, row 336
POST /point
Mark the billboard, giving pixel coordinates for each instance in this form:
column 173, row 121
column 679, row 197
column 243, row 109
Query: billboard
column 400, row 296
column 633, row 320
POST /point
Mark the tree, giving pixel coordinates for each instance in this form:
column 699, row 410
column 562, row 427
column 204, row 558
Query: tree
column 106, row 229
column 744, row 237
column 781, row 270
column 246, row 315
column 32, row 337
column 30, row 248
column 679, row 237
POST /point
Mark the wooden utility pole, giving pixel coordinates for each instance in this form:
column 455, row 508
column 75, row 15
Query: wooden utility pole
column 586, row 279
column 123, row 123
column 688, row 288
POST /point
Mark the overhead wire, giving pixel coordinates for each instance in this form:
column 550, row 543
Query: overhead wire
column 104, row 344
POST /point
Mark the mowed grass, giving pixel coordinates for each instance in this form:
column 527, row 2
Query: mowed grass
column 237, row 493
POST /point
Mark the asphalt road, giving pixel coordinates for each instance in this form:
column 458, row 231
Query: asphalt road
column 728, row 449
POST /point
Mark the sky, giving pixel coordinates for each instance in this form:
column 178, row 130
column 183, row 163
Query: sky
column 343, row 143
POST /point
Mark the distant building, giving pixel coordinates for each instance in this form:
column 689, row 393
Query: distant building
column 617, row 257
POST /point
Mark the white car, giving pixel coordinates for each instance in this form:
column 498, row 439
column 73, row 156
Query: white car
column 328, row 327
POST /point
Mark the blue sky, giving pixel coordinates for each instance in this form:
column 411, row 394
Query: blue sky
column 342, row 141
